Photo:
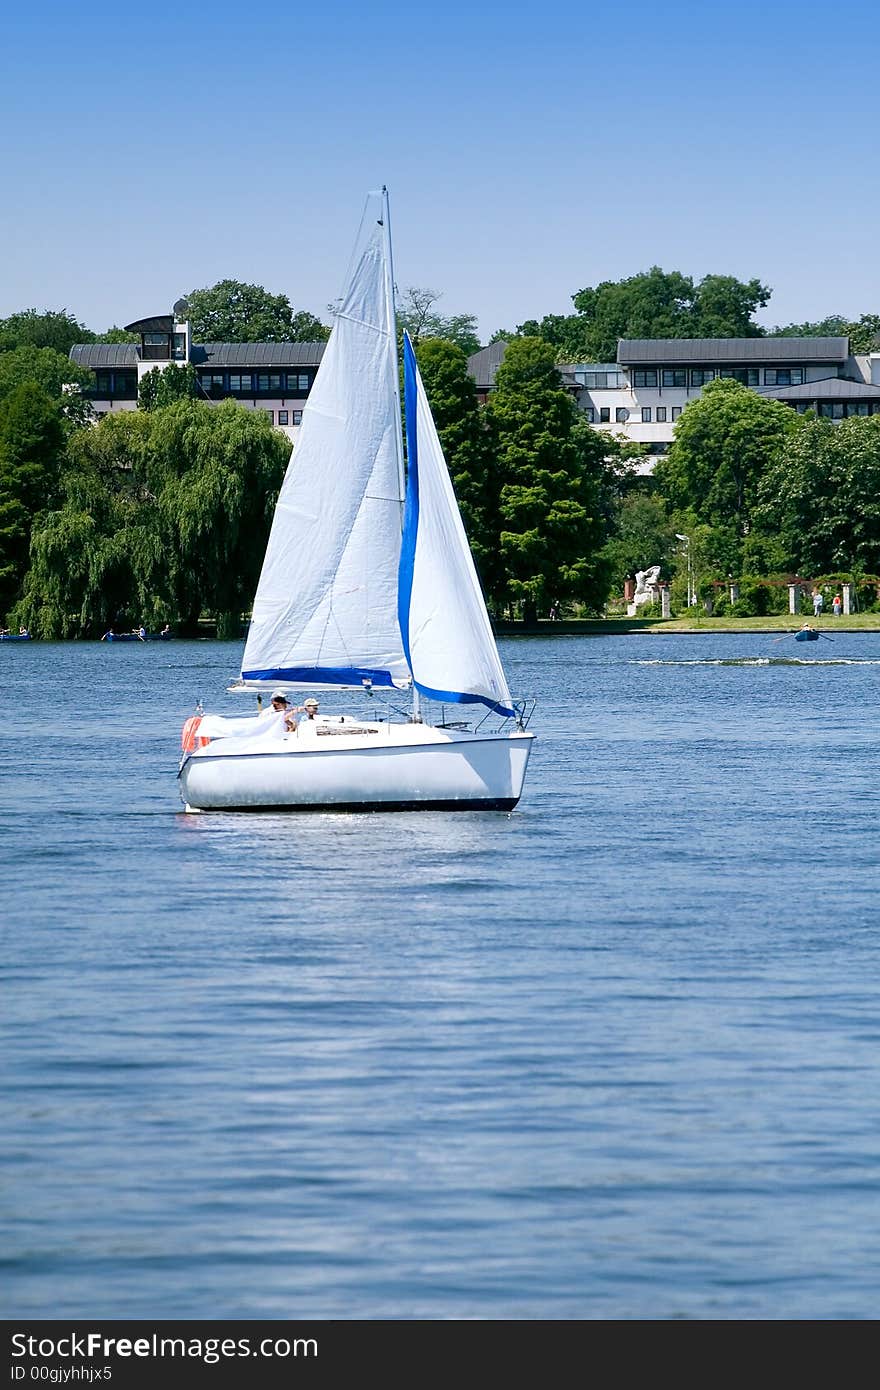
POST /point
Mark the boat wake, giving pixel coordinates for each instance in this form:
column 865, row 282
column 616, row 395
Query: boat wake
column 763, row 661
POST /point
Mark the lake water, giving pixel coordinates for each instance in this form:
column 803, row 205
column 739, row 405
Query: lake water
column 616, row 1055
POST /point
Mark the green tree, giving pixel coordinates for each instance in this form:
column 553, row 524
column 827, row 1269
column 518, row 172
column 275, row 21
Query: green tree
column 416, row 313
column 834, row 326
column 99, row 557
column 653, row 304
column 164, row 385
column 821, row 496
column 551, row 464
column 723, row 307
column 863, row 333
column 233, row 312
column 643, row 536
column 117, row 335
column 53, row 373
column 216, row 471
column 31, row 442
column 164, row 515
column 725, row 441
column 306, row 328
column 54, row 328
column 468, row 447
column 569, row 334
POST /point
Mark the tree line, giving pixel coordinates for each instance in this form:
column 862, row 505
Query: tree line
column 162, row 514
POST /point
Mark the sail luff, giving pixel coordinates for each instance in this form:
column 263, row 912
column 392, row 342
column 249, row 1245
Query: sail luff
column 392, row 339
column 447, row 636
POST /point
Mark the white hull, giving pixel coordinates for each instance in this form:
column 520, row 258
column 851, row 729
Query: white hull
column 339, row 766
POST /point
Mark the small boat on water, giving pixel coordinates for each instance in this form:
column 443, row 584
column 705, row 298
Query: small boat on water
column 142, row 636
column 806, row 634
column 15, row 637
column 367, row 585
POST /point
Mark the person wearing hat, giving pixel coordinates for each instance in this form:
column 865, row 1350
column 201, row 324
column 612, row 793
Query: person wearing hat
column 307, row 710
column 278, row 703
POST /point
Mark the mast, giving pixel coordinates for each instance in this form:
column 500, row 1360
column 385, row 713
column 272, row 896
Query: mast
column 392, row 333
column 398, row 419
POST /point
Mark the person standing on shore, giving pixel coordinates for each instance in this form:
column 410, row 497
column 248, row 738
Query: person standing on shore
column 818, row 602
column 836, row 606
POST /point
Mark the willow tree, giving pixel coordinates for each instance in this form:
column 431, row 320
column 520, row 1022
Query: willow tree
column 216, row 472
column 99, row 557
column 551, row 465
column 164, row 516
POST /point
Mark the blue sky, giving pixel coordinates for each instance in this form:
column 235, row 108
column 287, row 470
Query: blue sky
column 529, row 150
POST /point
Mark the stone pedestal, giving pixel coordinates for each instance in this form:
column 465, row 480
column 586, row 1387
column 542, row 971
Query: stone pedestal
column 734, row 593
column 847, row 590
column 793, row 595
column 665, row 610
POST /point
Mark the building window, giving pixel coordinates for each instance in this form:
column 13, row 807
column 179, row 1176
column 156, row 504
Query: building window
column 674, row 376
column 178, row 352
column 646, row 415
column 600, row 380
column 590, row 414
column 125, row 383
column 661, row 415
column 746, row 376
column 700, row 375
column 784, row 376
column 676, row 411
column 282, row 417
column 212, row 383
column 302, row 381
column 860, row 408
column 103, row 384
column 262, row 383
column 275, row 382
column 297, row 417
column 621, row 415
column 271, row 415
column 645, row 377
column 604, row 415
column 241, row 381
column 156, row 347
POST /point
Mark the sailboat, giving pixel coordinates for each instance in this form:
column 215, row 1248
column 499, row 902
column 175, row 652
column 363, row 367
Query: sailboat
column 367, row 584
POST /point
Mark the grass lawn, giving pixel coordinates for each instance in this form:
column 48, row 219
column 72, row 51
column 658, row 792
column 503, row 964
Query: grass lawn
column 785, row 622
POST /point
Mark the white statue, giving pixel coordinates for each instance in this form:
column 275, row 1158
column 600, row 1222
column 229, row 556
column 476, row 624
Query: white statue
column 647, row 588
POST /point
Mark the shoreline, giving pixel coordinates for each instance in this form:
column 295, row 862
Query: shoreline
column 670, row 627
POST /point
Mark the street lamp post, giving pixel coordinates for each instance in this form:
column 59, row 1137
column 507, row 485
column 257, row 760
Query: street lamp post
column 692, row 598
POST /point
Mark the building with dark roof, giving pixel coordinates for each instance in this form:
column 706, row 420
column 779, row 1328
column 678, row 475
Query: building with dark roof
column 273, row 377
column 643, row 393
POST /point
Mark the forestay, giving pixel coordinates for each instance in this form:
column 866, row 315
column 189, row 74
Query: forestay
column 447, row 635
column 325, row 611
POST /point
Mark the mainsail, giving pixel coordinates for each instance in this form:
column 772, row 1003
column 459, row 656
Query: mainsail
column 325, row 610
column 446, row 631
column 341, row 600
